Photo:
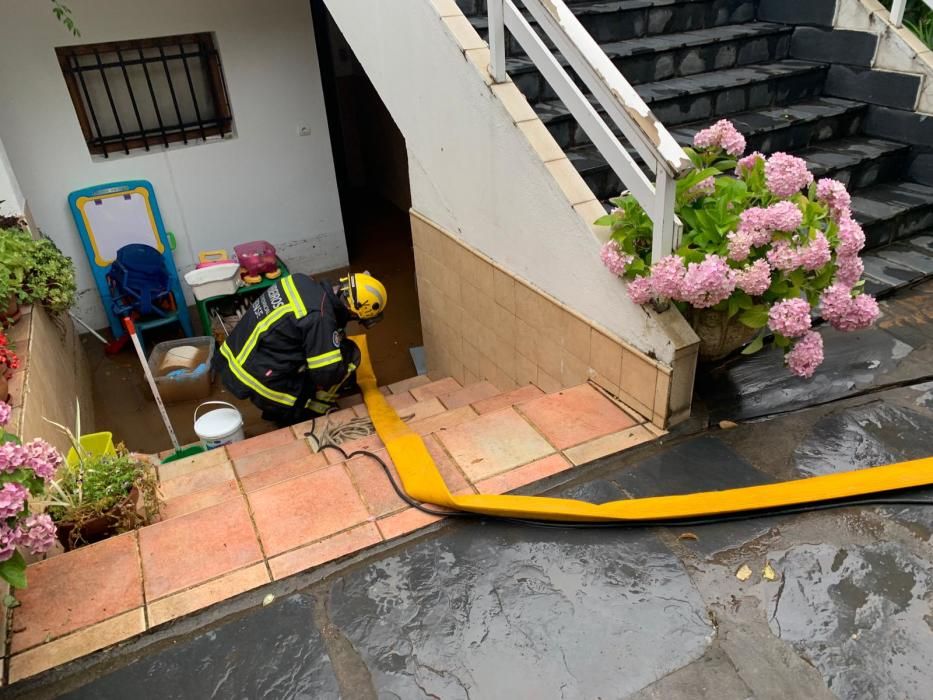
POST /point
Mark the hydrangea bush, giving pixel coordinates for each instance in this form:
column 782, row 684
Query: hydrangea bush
column 762, row 242
column 25, row 470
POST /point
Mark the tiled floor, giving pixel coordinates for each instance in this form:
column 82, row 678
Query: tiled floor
column 266, row 508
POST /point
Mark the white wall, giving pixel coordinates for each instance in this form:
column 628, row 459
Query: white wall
column 11, row 199
column 474, row 173
column 265, row 183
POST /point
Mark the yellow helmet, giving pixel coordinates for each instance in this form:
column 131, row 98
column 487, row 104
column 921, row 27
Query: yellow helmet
column 365, row 296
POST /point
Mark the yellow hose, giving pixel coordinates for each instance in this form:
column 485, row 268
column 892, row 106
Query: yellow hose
column 423, row 482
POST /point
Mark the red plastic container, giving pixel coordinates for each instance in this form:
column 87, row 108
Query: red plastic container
column 256, row 257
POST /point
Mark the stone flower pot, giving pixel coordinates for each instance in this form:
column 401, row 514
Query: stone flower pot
column 719, row 336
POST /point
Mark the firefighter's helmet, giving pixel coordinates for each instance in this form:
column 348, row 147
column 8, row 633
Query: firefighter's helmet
column 365, row 296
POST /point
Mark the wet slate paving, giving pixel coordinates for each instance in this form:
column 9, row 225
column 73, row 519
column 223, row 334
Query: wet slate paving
column 860, row 614
column 274, row 652
column 497, row 611
column 701, row 464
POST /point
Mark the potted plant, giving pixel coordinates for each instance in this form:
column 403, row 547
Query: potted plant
column 15, row 261
column 99, row 494
column 33, row 271
column 762, row 246
column 25, row 471
column 8, row 362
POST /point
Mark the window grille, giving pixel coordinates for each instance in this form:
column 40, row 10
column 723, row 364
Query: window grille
column 147, row 93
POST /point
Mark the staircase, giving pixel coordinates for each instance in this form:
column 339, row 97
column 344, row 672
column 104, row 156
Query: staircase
column 696, row 61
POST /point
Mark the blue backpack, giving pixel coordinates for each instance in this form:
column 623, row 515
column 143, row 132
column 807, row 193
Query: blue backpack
column 139, row 282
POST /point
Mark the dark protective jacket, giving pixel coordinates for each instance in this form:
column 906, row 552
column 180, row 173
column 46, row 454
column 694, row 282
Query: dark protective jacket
column 288, row 353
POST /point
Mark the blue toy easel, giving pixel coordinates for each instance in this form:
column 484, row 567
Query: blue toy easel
column 111, row 216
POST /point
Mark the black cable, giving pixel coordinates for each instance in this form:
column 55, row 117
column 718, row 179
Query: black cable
column 669, row 522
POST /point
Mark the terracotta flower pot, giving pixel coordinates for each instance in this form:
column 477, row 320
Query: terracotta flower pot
column 719, row 336
column 10, row 313
column 4, row 384
column 96, row 529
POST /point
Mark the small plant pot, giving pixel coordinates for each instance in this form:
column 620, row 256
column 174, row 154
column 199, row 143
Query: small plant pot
column 4, row 384
column 719, row 336
column 73, row 535
column 9, row 312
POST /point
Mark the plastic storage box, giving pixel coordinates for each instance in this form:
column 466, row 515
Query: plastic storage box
column 181, row 384
column 257, row 258
column 214, row 281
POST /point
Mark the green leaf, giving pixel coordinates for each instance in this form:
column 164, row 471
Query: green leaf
column 604, row 220
column 13, row 570
column 10, row 601
column 754, row 346
column 756, row 317
column 781, row 341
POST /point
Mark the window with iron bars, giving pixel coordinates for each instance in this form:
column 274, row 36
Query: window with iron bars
column 147, row 93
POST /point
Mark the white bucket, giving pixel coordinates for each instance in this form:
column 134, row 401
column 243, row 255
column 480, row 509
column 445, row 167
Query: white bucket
column 218, row 427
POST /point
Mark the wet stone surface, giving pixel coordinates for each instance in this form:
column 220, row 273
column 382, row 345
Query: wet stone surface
column 274, row 652
column 861, row 615
column 498, row 611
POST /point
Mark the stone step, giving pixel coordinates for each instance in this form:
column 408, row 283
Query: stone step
column 898, row 265
column 632, row 19
column 858, row 161
column 893, row 211
column 664, row 56
column 706, row 96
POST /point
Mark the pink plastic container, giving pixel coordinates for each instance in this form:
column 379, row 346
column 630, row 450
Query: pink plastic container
column 256, row 257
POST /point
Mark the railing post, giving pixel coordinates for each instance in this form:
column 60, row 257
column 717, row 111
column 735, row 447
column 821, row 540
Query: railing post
column 496, row 40
column 664, row 219
column 897, row 12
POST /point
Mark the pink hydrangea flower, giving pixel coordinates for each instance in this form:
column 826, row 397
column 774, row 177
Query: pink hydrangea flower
column 639, row 290
column 754, row 279
column 43, row 458
column 12, row 499
column 786, row 175
column 704, row 188
column 740, row 245
column 667, row 276
column 806, row 355
column 747, row 163
column 9, row 538
column 851, row 237
column 782, row 256
column 722, row 134
column 613, row 258
column 37, row 533
column 835, row 196
column 12, row 456
column 845, row 312
column 790, row 318
column 5, row 411
column 815, row 254
column 757, row 223
column 783, row 216
column 849, row 269
column 708, row 282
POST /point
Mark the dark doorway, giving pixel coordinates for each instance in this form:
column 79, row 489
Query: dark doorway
column 372, row 176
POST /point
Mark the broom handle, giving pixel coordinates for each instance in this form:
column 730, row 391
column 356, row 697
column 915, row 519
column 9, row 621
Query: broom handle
column 128, row 322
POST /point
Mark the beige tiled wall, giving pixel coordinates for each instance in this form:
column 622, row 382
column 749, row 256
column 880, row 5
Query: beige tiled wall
column 480, row 322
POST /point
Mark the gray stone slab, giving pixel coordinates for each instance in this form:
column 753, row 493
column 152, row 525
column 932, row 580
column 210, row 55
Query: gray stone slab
column 274, row 652
column 701, row 464
column 860, row 615
column 495, row 611
column 834, row 45
column 888, row 271
column 885, row 88
column 907, row 256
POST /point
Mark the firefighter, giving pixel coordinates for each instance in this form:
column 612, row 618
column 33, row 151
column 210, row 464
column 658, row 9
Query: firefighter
column 289, row 354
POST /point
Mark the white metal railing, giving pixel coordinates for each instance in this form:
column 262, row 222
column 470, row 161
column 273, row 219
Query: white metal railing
column 623, row 106
column 897, row 11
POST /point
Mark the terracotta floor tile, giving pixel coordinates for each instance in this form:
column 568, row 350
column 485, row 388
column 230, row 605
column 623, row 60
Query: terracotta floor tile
column 305, row 509
column 350, row 401
column 421, row 410
column 181, row 467
column 409, row 384
column 256, row 462
column 77, row 589
column 396, row 401
column 334, row 547
column 447, row 385
column 373, row 484
column 402, row 523
column 197, row 547
column 469, row 394
column 516, row 396
column 370, row 443
column 493, row 443
column 453, row 476
column 608, row 444
column 443, row 421
column 276, row 438
column 575, row 415
column 206, row 594
column 200, row 480
column 81, row 643
column 520, row 476
column 283, row 472
column 205, row 498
